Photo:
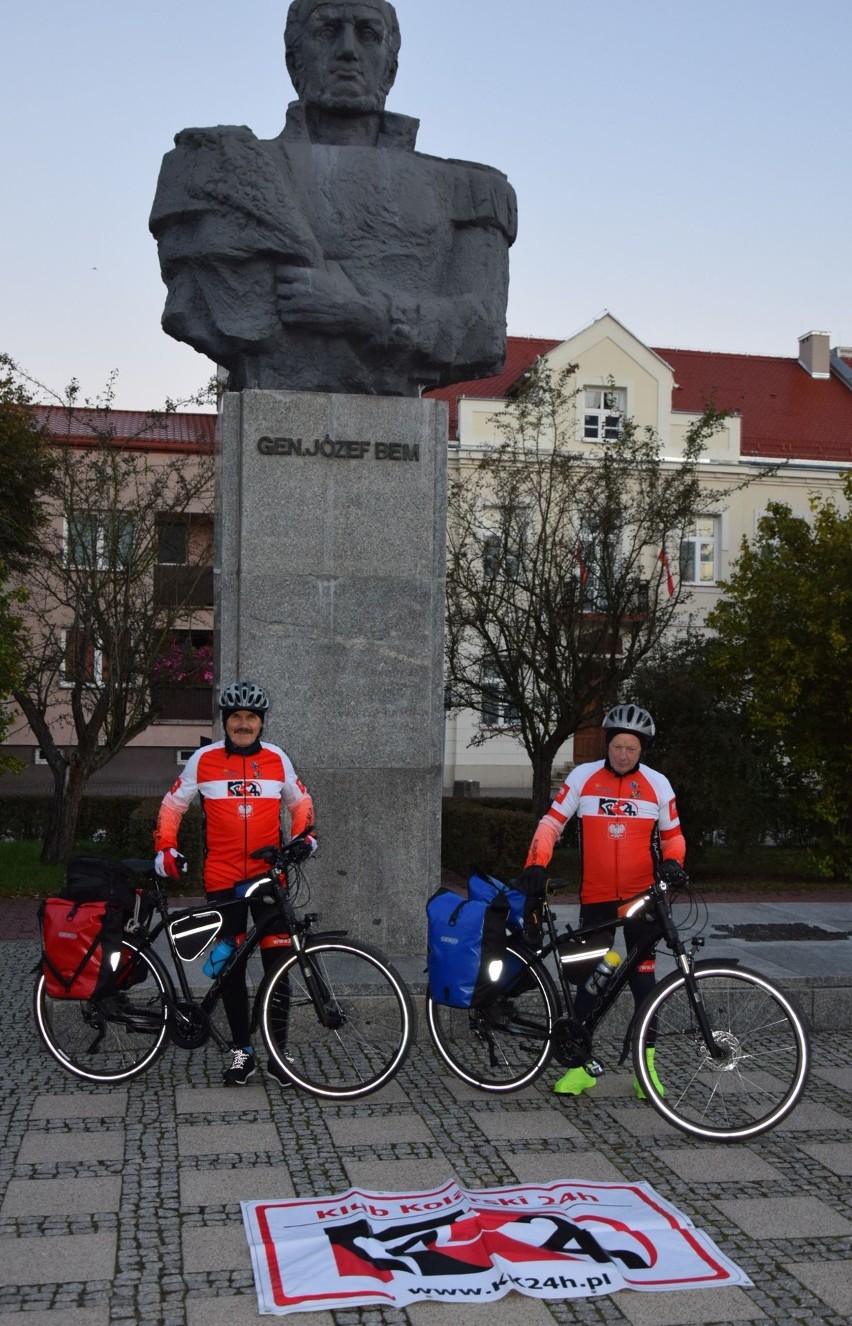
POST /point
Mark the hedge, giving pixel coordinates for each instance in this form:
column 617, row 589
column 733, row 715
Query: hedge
column 106, row 818
column 496, row 840
column 141, row 836
column 495, row 837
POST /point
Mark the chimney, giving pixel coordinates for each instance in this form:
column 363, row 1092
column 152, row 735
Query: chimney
column 815, row 354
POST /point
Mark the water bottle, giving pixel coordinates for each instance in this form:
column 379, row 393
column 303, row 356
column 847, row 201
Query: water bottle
column 603, row 973
column 219, row 957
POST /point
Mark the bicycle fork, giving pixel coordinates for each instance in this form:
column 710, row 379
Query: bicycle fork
column 325, row 1005
column 685, row 959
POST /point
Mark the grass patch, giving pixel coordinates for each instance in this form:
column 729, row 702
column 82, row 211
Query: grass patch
column 23, row 875
column 767, row 870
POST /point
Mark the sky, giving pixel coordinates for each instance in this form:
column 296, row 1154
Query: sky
column 683, row 164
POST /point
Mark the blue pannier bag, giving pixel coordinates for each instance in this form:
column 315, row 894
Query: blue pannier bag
column 486, row 888
column 524, row 908
column 468, row 960
column 466, row 936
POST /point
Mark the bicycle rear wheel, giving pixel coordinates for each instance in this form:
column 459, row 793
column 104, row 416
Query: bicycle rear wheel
column 502, row 1045
column 763, row 1072
column 114, row 1037
column 369, row 1021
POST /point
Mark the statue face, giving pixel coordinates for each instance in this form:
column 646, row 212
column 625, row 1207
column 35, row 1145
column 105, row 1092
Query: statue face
column 344, row 56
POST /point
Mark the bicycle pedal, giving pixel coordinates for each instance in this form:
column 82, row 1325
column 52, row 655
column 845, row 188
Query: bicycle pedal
column 594, row 1068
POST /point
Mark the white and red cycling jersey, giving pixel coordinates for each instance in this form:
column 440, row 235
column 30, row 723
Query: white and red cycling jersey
column 628, row 823
column 241, row 799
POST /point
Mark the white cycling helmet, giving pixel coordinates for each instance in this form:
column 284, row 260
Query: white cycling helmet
column 629, row 718
column 243, row 695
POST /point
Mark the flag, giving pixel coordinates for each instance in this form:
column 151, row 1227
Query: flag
column 664, row 558
column 458, row 1245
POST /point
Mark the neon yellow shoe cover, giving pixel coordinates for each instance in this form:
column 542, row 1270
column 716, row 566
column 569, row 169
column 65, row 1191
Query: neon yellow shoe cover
column 575, row 1082
column 658, row 1086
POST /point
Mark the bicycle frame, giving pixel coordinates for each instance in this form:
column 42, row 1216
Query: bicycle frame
column 653, row 906
column 287, row 919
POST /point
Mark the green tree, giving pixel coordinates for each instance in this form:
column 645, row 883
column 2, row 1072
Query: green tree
column 728, row 779
column 10, row 654
column 25, row 473
column 784, row 628
column 96, row 625
column 25, row 470
column 556, row 590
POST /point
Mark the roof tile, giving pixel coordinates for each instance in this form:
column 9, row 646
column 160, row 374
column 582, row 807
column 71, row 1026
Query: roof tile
column 785, row 412
column 167, row 432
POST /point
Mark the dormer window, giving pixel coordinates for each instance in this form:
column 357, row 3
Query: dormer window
column 603, row 409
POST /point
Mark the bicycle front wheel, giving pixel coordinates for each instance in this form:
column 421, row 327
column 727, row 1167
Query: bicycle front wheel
column 365, row 1028
column 502, row 1045
column 111, row 1038
column 762, row 1072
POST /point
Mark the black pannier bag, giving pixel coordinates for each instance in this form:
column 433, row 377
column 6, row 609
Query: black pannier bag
column 91, row 879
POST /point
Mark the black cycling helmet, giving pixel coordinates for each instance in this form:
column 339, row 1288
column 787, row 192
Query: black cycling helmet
column 629, row 718
column 243, row 695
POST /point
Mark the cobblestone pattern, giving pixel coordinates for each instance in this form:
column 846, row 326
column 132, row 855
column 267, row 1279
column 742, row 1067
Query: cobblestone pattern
column 154, row 1281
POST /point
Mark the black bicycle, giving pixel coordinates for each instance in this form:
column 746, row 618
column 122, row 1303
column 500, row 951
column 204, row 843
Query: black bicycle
column 732, row 1051
column 335, row 1016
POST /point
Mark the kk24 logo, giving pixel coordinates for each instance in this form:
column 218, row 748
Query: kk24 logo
column 615, row 806
column 241, row 788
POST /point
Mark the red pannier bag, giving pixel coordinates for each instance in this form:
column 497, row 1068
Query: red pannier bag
column 81, row 947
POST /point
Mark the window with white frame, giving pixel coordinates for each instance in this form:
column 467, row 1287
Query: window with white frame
column 595, row 555
column 603, row 410
column 699, row 552
column 98, row 538
column 39, row 756
column 505, row 530
column 498, row 558
column 82, row 660
column 497, row 708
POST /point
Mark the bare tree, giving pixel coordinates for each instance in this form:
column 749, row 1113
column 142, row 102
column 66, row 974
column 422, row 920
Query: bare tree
column 558, row 577
column 96, row 621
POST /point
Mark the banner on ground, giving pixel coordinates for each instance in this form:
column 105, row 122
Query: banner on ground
column 452, row 1244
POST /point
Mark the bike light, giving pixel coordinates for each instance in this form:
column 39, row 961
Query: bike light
column 495, row 969
column 115, row 959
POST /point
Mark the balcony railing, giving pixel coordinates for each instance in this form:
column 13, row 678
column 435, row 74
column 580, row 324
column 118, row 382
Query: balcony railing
column 183, row 586
column 186, row 704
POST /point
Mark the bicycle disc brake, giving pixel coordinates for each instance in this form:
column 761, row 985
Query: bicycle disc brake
column 571, row 1041
column 188, row 1026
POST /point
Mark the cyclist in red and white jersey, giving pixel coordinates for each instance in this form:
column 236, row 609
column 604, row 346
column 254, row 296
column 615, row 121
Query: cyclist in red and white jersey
column 242, row 783
column 630, row 835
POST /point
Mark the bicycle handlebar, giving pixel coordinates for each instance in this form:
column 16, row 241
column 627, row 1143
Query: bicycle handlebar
column 284, row 854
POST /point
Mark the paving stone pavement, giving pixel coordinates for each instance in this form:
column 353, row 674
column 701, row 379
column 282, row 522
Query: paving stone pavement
column 121, row 1206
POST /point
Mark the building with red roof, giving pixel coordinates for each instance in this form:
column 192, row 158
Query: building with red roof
column 182, row 575
column 789, row 433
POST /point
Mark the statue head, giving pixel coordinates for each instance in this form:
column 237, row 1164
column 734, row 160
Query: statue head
column 342, row 54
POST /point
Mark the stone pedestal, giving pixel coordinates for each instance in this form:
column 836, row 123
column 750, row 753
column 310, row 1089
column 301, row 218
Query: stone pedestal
column 330, row 592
